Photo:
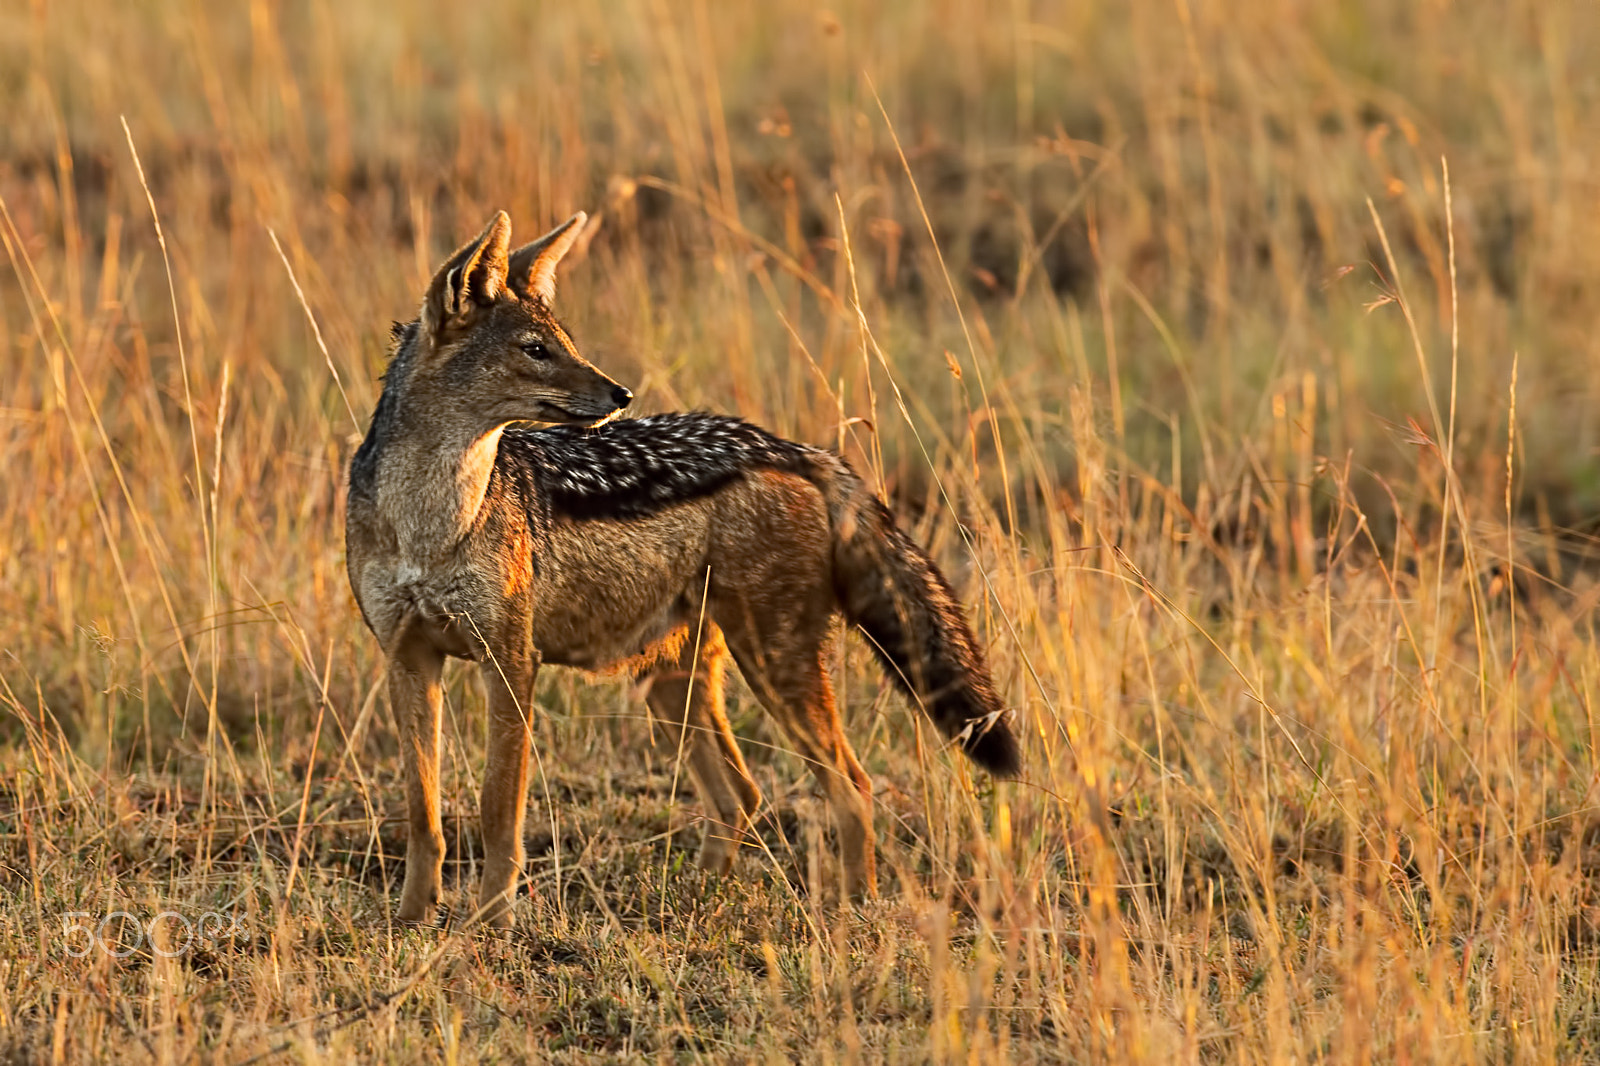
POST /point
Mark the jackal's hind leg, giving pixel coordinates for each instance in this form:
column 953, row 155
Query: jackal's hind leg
column 788, row 672
column 685, row 697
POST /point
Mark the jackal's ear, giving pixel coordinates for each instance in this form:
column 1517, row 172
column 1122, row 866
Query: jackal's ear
column 473, row 277
column 532, row 269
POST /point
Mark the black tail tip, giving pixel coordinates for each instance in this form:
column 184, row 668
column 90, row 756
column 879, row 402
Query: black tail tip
column 996, row 750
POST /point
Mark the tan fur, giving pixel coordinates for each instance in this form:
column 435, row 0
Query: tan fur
column 445, row 562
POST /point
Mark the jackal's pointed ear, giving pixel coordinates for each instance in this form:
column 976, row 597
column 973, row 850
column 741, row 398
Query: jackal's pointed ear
column 474, row 277
column 532, row 269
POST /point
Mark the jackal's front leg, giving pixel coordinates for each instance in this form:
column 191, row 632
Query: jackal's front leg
column 508, row 678
column 417, row 699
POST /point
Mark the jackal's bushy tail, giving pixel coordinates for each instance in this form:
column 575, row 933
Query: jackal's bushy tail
column 889, row 586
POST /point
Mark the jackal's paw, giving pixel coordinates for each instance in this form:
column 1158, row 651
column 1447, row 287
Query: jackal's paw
column 716, row 857
column 494, row 913
column 419, row 905
column 428, row 915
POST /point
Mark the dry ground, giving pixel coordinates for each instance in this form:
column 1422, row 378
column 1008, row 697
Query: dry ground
column 1237, row 360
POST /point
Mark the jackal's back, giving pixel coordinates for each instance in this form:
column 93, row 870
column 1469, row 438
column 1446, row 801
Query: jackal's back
column 640, row 466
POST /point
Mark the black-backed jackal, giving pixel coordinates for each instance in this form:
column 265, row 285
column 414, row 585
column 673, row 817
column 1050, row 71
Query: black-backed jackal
column 660, row 545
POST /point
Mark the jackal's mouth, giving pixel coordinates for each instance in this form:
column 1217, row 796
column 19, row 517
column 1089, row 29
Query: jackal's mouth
column 554, row 413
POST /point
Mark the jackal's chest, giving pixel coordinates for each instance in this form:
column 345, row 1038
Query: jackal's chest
column 452, row 609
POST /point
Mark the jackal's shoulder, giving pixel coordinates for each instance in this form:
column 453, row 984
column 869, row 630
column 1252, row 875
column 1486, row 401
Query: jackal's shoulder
column 638, row 466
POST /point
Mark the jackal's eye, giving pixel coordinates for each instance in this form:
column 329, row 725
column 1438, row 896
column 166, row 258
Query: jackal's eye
column 535, row 350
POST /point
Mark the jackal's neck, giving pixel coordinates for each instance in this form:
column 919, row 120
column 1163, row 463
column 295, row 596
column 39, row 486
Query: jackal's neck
column 432, row 469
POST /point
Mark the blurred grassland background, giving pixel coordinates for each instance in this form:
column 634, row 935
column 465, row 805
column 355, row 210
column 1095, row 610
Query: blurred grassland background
column 1263, row 446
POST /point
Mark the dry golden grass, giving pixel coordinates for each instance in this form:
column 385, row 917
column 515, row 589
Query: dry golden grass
column 1291, row 592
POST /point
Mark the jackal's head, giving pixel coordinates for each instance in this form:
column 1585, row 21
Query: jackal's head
column 487, row 345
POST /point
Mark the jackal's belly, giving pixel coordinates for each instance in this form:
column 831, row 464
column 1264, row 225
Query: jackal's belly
column 611, row 591
column 599, row 642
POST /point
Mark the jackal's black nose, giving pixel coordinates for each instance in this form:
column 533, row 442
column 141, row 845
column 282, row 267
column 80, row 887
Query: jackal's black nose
column 621, row 397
